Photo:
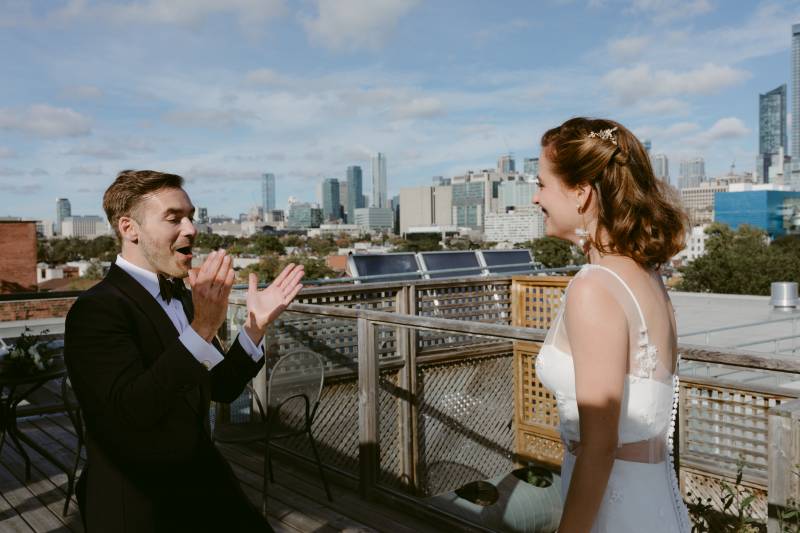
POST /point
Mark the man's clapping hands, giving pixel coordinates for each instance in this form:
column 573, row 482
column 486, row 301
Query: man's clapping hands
column 211, row 287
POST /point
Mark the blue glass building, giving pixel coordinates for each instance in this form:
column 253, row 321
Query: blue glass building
column 761, row 209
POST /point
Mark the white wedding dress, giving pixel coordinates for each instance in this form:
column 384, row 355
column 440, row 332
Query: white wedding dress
column 642, row 492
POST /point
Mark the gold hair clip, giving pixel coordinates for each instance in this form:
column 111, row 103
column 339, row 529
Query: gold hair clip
column 605, row 135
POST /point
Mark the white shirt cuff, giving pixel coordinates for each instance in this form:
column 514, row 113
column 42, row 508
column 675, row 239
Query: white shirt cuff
column 203, row 351
column 255, row 352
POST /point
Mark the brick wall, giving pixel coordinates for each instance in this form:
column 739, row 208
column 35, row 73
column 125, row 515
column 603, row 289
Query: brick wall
column 32, row 309
column 17, row 256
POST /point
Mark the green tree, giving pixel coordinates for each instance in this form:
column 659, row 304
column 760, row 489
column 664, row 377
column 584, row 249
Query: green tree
column 553, row 253
column 264, row 244
column 321, row 246
column 741, row 262
column 271, row 265
column 95, row 271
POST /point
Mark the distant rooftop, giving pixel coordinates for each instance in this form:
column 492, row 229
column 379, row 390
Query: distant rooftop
column 744, row 322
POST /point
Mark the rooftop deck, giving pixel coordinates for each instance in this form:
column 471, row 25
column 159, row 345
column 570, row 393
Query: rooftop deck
column 297, row 501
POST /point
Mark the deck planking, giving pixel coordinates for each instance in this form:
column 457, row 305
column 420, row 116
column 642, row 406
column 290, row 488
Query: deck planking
column 297, row 502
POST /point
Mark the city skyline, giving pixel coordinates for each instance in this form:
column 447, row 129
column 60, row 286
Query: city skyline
column 253, row 87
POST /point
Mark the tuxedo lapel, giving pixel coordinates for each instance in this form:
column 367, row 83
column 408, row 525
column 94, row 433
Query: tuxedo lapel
column 145, row 301
column 158, row 317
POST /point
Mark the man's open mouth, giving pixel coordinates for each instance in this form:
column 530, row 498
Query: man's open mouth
column 185, row 250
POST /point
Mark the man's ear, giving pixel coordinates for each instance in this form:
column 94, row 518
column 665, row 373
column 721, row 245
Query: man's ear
column 128, row 229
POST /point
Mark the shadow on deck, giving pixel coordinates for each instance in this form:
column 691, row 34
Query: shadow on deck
column 297, row 501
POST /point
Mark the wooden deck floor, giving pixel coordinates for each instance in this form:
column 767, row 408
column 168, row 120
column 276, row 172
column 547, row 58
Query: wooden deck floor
column 297, row 501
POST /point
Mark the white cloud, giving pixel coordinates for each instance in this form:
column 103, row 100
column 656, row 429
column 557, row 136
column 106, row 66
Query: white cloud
column 265, row 77
column 7, row 153
column 83, row 92
column 668, row 10
column 42, row 120
column 666, row 106
column 86, row 170
column 423, row 107
column 635, row 83
column 628, row 48
column 251, row 14
column 13, row 188
column 725, row 128
column 8, row 172
column 348, row 25
column 115, row 148
column 207, row 118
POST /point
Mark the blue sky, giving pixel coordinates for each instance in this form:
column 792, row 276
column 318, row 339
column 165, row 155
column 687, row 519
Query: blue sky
column 222, row 91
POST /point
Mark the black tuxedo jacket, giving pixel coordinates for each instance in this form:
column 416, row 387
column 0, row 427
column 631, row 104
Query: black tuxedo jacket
column 151, row 464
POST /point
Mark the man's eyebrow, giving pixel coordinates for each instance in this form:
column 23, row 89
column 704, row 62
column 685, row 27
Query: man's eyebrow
column 177, row 211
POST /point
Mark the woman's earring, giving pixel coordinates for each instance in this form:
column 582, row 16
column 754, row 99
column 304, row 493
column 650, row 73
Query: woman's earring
column 583, row 236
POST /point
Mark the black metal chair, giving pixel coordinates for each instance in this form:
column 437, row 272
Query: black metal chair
column 293, row 395
column 76, row 417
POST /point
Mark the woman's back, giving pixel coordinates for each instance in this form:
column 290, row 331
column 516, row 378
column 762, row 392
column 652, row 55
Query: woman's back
column 647, row 406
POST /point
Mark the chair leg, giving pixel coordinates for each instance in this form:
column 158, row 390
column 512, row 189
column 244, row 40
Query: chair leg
column 319, row 464
column 269, row 463
column 22, row 452
column 267, row 476
column 71, row 477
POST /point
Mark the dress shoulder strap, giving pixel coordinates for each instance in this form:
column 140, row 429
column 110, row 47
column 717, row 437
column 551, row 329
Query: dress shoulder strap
column 627, row 288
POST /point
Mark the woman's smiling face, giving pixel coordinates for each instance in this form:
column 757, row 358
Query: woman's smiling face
column 558, row 202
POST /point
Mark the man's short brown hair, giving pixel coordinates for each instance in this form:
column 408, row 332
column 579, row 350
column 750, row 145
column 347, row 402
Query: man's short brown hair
column 130, row 187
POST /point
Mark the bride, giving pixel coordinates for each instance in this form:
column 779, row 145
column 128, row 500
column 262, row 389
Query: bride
column 610, row 356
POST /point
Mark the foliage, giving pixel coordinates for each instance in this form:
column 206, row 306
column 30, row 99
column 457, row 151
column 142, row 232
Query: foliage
column 735, row 516
column 459, row 243
column 741, row 262
column 59, row 251
column 271, row 265
column 553, row 253
column 211, row 241
column 321, row 246
column 29, row 355
column 423, row 243
column 95, row 270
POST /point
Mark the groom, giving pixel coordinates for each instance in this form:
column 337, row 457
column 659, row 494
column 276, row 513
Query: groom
column 145, row 363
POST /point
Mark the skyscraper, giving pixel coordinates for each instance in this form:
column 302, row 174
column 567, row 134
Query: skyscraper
column 506, row 165
column 331, row 205
column 771, row 130
column 355, row 195
column 530, row 166
column 692, row 172
column 268, row 191
column 379, row 180
column 63, row 210
column 796, row 95
column 660, row 167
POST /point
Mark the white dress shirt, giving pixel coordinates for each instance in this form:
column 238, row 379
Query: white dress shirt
column 205, row 352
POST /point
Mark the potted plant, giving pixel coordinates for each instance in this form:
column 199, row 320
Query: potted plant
column 30, row 355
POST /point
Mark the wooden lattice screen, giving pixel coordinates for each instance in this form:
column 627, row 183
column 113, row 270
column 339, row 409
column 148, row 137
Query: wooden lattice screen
column 536, row 300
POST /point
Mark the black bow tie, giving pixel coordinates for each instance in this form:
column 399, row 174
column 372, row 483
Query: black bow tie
column 171, row 288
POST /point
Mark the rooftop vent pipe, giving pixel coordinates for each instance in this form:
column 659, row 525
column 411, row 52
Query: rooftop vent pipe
column 784, row 295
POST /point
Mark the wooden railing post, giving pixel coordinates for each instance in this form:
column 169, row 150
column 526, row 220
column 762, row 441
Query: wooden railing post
column 407, row 349
column 368, row 429
column 783, row 488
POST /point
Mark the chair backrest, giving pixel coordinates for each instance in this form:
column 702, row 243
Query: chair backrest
column 300, row 372
column 72, row 406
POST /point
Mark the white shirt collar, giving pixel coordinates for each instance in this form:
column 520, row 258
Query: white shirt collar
column 147, row 279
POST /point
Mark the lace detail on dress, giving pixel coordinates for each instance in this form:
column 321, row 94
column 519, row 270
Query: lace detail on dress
column 646, row 356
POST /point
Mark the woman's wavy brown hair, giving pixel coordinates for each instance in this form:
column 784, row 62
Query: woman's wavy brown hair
column 640, row 214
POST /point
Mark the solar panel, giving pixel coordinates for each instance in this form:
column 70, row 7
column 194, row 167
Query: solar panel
column 403, row 264
column 449, row 260
column 495, row 259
